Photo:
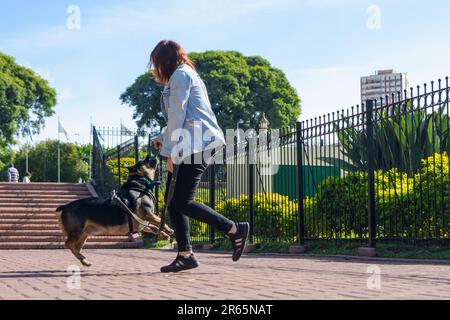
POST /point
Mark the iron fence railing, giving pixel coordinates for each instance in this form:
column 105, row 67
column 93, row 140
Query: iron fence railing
column 375, row 172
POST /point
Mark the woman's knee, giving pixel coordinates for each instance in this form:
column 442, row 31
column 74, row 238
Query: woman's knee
column 181, row 205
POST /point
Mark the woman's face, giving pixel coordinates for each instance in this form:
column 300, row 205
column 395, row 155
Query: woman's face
column 153, row 72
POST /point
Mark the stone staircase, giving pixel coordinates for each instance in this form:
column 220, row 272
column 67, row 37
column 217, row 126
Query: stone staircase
column 27, row 217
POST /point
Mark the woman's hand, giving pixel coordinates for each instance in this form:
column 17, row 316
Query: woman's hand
column 170, row 165
column 157, row 144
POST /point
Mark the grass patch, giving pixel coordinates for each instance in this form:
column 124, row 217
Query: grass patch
column 385, row 250
column 151, row 242
column 327, row 247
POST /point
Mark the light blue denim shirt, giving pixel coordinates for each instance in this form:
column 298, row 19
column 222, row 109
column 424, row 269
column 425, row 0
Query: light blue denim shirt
column 185, row 105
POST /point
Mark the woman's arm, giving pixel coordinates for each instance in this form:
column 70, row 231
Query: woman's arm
column 180, row 86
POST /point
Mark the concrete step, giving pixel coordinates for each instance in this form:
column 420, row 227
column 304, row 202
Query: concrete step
column 60, row 245
column 43, row 233
column 29, row 233
column 61, row 238
column 27, row 226
column 28, row 209
column 52, row 202
column 43, row 197
column 34, row 193
column 38, row 186
column 27, row 222
column 32, row 204
column 28, row 216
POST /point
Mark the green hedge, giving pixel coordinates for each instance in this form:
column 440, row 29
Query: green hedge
column 406, row 207
column 275, row 214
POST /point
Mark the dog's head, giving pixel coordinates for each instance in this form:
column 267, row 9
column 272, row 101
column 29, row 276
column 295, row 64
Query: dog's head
column 145, row 168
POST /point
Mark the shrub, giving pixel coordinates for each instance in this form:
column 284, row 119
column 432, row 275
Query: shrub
column 275, row 214
column 406, row 207
column 431, row 197
column 114, row 168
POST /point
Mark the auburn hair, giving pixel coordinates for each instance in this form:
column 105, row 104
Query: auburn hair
column 165, row 59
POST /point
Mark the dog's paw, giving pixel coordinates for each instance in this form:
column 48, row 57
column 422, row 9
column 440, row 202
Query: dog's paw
column 86, row 263
column 163, row 236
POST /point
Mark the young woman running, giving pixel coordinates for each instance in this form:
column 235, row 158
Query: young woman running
column 187, row 110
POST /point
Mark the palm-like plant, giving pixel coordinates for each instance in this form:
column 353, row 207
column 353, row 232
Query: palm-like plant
column 402, row 137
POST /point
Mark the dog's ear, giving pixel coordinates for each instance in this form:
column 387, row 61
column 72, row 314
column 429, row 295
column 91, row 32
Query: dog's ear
column 147, row 158
column 133, row 168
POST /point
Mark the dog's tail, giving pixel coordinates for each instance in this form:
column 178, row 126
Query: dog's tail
column 58, row 214
column 59, row 211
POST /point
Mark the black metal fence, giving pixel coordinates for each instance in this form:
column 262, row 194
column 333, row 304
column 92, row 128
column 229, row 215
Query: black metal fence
column 108, row 163
column 375, row 172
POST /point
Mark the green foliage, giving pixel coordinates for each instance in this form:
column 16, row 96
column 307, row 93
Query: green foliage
column 402, row 137
column 240, row 89
column 406, row 207
column 338, row 206
column 432, row 197
column 113, row 166
column 24, row 98
column 43, row 162
column 275, row 214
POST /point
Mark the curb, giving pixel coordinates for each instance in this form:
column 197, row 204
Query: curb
column 336, row 257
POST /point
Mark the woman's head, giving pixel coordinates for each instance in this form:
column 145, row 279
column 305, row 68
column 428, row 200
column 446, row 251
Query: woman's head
column 165, row 59
column 28, row 174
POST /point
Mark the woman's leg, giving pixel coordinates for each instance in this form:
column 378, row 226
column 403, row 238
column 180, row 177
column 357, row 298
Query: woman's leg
column 188, row 179
column 183, row 206
column 180, row 223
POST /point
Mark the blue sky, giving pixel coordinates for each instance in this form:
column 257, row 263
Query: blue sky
column 323, row 46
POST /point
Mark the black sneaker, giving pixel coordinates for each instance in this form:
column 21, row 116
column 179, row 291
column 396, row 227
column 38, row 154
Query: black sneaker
column 238, row 239
column 180, row 264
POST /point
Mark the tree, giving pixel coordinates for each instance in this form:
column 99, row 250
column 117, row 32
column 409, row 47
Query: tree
column 25, row 98
column 240, row 89
column 42, row 160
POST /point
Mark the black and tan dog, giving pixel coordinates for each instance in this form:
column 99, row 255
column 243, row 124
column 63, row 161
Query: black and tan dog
column 96, row 216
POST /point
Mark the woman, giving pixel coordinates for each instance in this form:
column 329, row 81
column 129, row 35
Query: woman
column 27, row 177
column 185, row 105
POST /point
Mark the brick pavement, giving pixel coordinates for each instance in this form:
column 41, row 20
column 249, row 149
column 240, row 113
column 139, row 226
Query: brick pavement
column 134, row 274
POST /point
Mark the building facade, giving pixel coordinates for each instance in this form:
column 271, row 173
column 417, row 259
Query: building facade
column 384, row 83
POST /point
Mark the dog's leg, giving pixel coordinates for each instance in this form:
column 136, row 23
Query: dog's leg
column 168, row 230
column 156, row 220
column 72, row 244
column 79, row 246
column 163, row 236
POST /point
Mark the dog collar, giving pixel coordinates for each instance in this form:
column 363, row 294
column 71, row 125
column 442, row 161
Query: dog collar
column 147, row 181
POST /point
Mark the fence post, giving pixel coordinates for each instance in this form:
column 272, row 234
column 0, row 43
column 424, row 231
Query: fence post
column 212, row 197
column 300, row 247
column 300, row 195
column 93, row 154
column 118, row 166
column 251, row 189
column 370, row 251
column 136, row 148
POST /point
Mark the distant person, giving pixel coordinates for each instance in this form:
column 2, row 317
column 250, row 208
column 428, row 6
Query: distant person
column 13, row 174
column 27, row 177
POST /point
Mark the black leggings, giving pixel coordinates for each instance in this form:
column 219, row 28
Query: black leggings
column 184, row 206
